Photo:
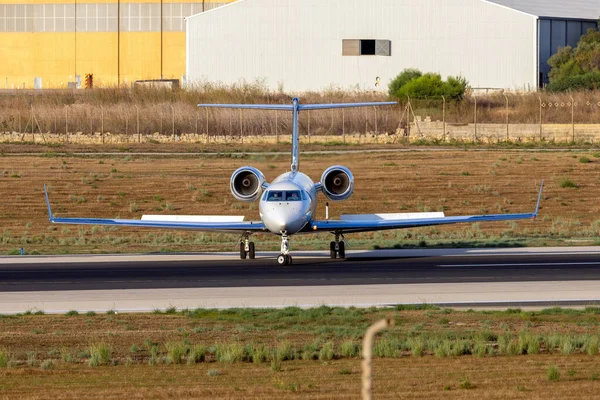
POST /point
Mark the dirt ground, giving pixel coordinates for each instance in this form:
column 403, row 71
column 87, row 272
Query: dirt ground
column 454, row 181
column 50, row 337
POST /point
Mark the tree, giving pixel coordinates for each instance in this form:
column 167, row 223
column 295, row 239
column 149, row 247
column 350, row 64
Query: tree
column 578, row 68
column 412, row 83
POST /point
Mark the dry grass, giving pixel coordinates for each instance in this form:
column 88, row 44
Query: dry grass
column 134, row 339
column 116, row 111
column 456, row 182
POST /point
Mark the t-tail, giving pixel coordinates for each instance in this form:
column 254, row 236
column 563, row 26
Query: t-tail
column 296, row 107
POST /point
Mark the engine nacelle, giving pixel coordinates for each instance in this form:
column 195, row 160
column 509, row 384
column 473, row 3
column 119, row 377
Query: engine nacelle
column 247, row 184
column 337, row 183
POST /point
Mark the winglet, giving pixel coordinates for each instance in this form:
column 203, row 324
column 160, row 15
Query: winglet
column 537, row 208
column 48, row 204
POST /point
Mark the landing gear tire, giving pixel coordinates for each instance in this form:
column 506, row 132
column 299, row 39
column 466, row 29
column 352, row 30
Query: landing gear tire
column 282, row 259
column 332, row 252
column 251, row 252
column 342, row 250
column 242, row 251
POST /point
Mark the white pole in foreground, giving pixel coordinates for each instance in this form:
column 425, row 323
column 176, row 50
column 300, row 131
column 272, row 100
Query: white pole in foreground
column 367, row 354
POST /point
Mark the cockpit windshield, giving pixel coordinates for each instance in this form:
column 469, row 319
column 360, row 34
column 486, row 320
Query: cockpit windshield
column 279, row 195
column 275, row 195
column 292, row 195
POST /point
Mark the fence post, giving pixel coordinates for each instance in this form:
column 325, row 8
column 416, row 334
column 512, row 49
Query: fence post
column 308, row 126
column 197, row 118
column 241, row 126
column 137, row 121
column 475, row 135
column 376, row 125
column 540, row 99
column 444, row 118
column 20, row 122
column 344, row 126
column 572, row 118
column 367, row 355
column 408, row 106
column 172, row 121
column 102, row 123
column 506, row 98
column 276, row 128
column 67, row 123
column 32, row 126
column 91, row 122
column 207, row 135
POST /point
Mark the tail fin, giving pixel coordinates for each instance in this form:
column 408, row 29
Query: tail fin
column 296, row 107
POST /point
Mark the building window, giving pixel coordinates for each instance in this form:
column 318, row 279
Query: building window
column 366, row 47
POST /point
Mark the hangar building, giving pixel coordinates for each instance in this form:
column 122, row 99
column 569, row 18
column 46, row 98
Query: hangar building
column 60, row 41
column 303, row 45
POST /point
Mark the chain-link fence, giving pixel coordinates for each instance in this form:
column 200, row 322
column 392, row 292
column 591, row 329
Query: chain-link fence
column 560, row 118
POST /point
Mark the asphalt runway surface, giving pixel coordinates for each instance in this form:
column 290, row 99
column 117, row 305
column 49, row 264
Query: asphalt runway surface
column 306, row 271
column 143, row 282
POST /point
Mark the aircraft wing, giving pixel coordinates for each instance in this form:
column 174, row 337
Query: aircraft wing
column 369, row 223
column 206, row 224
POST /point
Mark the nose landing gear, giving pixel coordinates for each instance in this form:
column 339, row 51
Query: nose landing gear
column 284, row 258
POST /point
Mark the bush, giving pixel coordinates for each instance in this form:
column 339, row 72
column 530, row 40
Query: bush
column 405, row 76
column 349, row 349
column 411, row 83
column 176, row 352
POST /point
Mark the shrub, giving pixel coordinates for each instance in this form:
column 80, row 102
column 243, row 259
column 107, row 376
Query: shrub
column 259, row 354
column 196, row 354
column 285, row 351
column 402, row 79
column 4, row 358
column 411, row 83
column 465, row 383
column 585, row 160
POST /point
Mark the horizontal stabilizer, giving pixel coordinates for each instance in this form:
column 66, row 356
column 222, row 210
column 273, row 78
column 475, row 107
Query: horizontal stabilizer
column 388, row 217
column 193, row 218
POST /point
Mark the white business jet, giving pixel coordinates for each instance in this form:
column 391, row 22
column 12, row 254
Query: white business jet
column 288, row 204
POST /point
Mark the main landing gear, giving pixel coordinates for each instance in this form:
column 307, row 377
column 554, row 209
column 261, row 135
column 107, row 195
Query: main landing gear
column 247, row 248
column 337, row 248
column 284, row 258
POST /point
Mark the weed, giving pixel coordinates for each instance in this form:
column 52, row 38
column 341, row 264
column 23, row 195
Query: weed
column 567, row 183
column 275, row 365
column 230, row 353
column 553, row 373
column 4, row 358
column 154, row 355
column 585, row 160
column 100, row 354
column 285, row 351
column 46, row 365
column 196, row 354
column 66, row 355
column 349, row 349
column 465, row 383
column 214, row 372
column 176, row 351
column 345, row 371
column 326, row 353
column 72, row 313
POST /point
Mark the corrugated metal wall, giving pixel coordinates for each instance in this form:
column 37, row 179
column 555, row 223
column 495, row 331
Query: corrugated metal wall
column 112, row 39
column 297, row 45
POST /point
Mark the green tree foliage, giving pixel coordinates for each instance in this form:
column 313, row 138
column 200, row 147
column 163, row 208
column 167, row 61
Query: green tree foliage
column 578, row 68
column 412, row 83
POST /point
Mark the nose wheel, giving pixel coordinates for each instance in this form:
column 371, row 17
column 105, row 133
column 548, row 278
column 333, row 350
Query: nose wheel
column 284, row 258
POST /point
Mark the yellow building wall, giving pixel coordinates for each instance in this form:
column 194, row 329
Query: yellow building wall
column 57, row 57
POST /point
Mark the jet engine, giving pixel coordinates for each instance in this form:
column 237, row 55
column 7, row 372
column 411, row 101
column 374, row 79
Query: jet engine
column 337, row 183
column 247, row 184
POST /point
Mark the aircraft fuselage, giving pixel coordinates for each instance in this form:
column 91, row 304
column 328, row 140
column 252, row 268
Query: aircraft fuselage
column 288, row 204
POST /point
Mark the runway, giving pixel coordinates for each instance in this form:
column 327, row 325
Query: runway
column 452, row 277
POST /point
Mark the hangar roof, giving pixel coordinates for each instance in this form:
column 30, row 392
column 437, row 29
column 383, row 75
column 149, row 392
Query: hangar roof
column 576, row 9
